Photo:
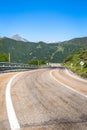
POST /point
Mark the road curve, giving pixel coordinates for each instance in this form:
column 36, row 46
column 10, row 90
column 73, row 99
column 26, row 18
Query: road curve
column 71, row 81
column 43, row 103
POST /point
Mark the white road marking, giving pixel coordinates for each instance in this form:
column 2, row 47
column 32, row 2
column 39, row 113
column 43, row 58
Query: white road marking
column 14, row 125
column 67, row 86
column 75, row 76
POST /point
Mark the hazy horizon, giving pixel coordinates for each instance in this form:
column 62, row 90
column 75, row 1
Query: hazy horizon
column 42, row 40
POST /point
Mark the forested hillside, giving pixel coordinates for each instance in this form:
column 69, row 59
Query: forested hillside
column 23, row 52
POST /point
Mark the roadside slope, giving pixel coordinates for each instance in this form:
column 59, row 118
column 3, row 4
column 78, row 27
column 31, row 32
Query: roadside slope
column 73, row 62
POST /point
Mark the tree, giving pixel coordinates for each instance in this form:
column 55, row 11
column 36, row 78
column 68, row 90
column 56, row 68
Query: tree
column 3, row 56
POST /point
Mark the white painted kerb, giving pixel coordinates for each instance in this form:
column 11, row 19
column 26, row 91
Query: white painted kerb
column 14, row 125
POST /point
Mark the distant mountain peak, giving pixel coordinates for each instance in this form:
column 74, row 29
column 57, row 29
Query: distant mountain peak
column 17, row 37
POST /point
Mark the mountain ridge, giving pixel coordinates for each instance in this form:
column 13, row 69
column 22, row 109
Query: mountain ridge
column 17, row 37
column 22, row 53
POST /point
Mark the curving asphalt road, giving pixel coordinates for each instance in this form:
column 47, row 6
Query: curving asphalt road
column 43, row 99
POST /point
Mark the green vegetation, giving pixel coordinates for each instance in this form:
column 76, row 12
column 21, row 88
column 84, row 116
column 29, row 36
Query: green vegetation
column 3, row 56
column 73, row 62
column 22, row 52
column 37, row 62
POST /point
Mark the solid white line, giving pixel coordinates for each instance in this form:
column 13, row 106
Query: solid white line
column 67, row 85
column 75, row 76
column 14, row 125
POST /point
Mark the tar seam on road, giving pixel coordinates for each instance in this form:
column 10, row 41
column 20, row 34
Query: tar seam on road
column 67, row 85
column 14, row 125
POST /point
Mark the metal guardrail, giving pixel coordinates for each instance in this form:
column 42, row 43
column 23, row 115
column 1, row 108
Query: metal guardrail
column 7, row 65
column 17, row 66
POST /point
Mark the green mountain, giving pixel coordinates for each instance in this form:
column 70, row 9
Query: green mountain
column 23, row 52
column 77, row 63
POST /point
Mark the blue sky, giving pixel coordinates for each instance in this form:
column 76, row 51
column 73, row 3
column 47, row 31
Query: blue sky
column 44, row 20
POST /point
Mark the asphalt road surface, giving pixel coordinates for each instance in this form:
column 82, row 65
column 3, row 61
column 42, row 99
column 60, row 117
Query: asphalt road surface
column 43, row 99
